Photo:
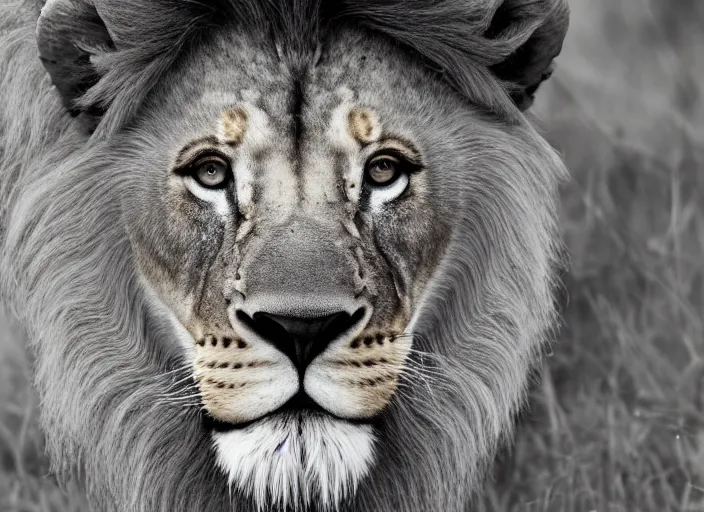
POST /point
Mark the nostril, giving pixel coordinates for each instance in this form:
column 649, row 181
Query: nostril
column 263, row 326
column 350, row 322
column 301, row 337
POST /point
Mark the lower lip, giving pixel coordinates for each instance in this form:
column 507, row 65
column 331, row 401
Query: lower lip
column 300, row 404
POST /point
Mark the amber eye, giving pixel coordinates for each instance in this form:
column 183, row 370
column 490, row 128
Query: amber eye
column 211, row 172
column 382, row 170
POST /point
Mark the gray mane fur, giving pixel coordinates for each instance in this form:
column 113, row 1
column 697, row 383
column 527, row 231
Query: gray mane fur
column 67, row 272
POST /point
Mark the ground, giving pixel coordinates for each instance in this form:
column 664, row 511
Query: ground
column 616, row 423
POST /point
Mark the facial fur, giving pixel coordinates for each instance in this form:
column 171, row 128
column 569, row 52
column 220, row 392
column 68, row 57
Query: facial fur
column 295, row 232
column 298, row 268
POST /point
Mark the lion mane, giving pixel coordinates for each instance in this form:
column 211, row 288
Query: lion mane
column 68, row 276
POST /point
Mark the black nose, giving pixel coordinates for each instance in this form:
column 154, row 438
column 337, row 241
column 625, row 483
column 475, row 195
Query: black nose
column 300, row 338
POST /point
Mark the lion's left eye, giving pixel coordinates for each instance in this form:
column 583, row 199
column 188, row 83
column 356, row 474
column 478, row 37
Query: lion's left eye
column 382, row 170
column 212, row 172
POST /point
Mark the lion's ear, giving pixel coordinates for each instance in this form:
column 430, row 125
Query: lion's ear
column 105, row 56
column 69, row 34
column 537, row 29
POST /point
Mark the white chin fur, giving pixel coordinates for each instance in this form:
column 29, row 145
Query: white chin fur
column 294, row 461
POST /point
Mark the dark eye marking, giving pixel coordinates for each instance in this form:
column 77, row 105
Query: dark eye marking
column 183, row 156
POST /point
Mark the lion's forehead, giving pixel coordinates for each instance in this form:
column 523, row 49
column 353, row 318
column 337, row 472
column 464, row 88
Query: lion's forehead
column 295, row 139
column 295, row 128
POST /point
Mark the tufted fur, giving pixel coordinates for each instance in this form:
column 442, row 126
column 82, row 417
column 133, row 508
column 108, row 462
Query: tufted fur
column 69, row 277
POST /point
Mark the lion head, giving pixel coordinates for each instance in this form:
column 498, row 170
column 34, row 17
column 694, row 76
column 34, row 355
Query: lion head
column 281, row 255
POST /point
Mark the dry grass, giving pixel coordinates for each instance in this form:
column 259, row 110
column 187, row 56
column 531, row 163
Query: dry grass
column 617, row 421
column 25, row 485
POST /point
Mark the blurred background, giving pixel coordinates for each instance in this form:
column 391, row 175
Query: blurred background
column 617, row 421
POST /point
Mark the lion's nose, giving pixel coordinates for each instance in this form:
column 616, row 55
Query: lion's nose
column 301, row 338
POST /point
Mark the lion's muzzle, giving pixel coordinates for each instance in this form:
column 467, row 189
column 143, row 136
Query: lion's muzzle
column 302, row 325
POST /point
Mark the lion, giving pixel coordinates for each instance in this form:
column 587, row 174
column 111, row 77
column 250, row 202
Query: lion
column 278, row 255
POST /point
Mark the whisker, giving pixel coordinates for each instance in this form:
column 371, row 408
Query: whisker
column 187, row 391
column 425, row 377
column 180, row 398
column 180, row 381
column 184, row 409
column 183, row 367
column 177, row 393
column 177, row 404
column 413, row 392
column 428, row 370
column 417, row 378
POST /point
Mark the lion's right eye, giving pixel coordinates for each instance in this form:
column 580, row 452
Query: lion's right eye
column 211, row 172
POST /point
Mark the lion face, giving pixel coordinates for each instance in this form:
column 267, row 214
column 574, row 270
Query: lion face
column 333, row 215
column 291, row 221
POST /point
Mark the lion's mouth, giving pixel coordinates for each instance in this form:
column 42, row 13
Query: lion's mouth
column 301, row 405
